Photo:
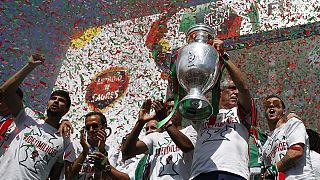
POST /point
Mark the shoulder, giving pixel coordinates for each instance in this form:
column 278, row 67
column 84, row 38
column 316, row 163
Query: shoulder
column 26, row 116
column 294, row 122
column 189, row 128
column 152, row 137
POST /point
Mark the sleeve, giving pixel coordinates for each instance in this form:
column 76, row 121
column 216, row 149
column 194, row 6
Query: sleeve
column 296, row 132
column 265, row 160
column 25, row 116
column 69, row 150
column 191, row 133
column 131, row 168
column 113, row 157
column 148, row 140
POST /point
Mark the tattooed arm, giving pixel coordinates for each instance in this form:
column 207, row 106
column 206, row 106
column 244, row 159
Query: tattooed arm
column 290, row 159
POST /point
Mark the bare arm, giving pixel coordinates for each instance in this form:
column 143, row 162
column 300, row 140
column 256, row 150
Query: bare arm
column 238, row 78
column 181, row 140
column 240, row 81
column 9, row 88
column 101, row 162
column 114, row 174
column 72, row 169
column 293, row 155
column 65, row 128
column 132, row 145
column 56, row 170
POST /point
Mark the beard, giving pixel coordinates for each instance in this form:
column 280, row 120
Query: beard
column 54, row 113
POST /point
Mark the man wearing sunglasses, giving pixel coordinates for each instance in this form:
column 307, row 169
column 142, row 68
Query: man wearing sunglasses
column 91, row 150
column 286, row 151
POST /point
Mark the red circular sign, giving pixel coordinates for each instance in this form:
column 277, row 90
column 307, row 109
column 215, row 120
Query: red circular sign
column 107, row 87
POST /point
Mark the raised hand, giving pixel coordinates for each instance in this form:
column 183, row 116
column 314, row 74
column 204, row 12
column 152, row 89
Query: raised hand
column 102, row 136
column 84, row 143
column 65, row 128
column 160, row 109
column 218, row 44
column 36, row 59
column 144, row 115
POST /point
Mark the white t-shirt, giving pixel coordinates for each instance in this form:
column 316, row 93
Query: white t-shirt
column 87, row 169
column 280, row 140
column 128, row 166
column 222, row 145
column 168, row 161
column 315, row 161
column 34, row 149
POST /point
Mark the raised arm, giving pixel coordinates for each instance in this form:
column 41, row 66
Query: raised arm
column 180, row 139
column 173, row 126
column 9, row 88
column 238, row 78
column 291, row 158
column 132, row 145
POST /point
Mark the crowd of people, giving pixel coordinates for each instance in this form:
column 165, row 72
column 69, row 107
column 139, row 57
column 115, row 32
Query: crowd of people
column 225, row 146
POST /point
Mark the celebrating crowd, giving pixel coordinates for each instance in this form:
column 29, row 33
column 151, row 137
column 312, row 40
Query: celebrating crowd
column 225, row 146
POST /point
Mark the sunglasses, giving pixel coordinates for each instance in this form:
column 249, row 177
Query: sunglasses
column 276, row 103
column 93, row 126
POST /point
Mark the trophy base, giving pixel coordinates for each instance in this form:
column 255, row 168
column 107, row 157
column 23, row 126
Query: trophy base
column 195, row 108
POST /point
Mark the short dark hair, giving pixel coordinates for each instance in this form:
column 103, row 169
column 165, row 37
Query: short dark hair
column 103, row 119
column 314, row 140
column 20, row 93
column 275, row 96
column 64, row 94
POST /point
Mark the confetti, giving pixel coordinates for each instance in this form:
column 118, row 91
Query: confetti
column 278, row 50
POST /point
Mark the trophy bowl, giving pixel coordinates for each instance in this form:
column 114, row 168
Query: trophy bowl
column 198, row 69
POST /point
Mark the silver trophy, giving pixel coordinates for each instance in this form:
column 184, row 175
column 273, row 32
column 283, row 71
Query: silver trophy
column 198, row 69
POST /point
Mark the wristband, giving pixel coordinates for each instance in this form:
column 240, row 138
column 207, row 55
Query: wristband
column 225, row 56
column 108, row 169
column 168, row 124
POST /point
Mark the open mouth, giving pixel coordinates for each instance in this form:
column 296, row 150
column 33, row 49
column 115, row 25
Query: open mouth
column 54, row 106
column 234, row 98
column 272, row 111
